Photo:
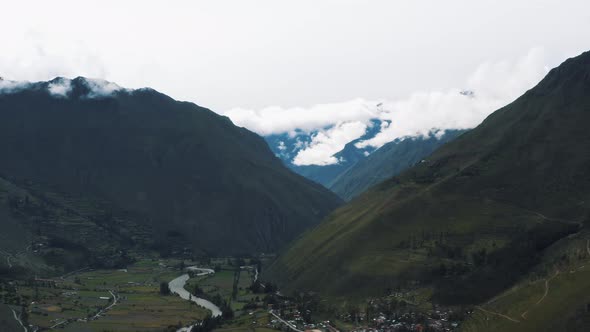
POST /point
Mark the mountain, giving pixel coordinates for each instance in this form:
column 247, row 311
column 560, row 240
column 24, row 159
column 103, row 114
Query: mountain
column 387, row 161
column 286, row 146
column 92, row 168
column 507, row 202
column 358, row 168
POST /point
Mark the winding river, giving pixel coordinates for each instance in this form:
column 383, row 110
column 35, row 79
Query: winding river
column 177, row 287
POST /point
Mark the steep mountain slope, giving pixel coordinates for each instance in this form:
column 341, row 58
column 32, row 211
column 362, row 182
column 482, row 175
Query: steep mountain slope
column 387, row 161
column 475, row 217
column 165, row 173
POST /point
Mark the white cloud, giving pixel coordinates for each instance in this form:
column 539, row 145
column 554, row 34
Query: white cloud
column 326, row 143
column 33, row 57
column 60, row 87
column 101, row 88
column 494, row 85
column 8, row 86
column 276, row 120
column 491, row 86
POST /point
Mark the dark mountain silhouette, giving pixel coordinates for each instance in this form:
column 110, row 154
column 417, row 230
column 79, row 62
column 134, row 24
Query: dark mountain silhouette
column 96, row 168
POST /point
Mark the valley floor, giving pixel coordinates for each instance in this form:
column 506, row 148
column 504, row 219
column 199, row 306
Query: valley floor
column 555, row 296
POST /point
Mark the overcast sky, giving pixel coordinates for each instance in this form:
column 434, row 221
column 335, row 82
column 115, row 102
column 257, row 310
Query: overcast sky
column 268, row 63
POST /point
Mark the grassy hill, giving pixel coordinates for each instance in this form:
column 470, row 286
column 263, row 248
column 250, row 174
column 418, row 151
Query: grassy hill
column 475, row 218
column 137, row 168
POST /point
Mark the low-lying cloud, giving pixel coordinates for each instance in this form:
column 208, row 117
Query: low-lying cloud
column 326, row 143
column 8, row 86
column 491, row 86
column 277, row 120
column 61, row 87
column 101, row 88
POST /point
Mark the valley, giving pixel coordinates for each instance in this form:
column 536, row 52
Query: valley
column 138, row 298
column 365, row 166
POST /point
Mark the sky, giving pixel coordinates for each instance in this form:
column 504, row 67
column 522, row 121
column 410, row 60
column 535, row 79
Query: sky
column 322, row 65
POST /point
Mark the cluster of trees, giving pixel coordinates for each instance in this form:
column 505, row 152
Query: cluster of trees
column 208, row 324
column 234, row 293
column 198, row 291
column 258, row 287
column 9, row 295
column 224, row 306
column 451, row 269
column 426, row 239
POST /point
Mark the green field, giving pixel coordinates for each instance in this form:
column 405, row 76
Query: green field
column 140, row 306
column 222, row 283
column 79, row 301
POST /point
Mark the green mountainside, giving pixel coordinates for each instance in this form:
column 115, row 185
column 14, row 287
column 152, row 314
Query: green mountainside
column 94, row 174
column 482, row 213
column 387, row 161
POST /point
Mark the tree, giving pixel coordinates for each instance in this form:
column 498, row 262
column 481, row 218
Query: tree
column 240, row 262
column 164, row 288
column 226, row 311
column 36, row 293
column 24, row 316
column 256, row 287
column 198, row 291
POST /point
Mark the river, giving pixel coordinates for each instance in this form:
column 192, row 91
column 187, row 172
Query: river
column 177, row 287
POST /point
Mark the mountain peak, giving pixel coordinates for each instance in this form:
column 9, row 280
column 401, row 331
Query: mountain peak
column 82, row 87
column 573, row 71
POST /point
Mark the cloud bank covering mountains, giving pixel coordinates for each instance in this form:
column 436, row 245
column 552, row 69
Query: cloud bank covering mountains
column 314, row 135
column 317, row 133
